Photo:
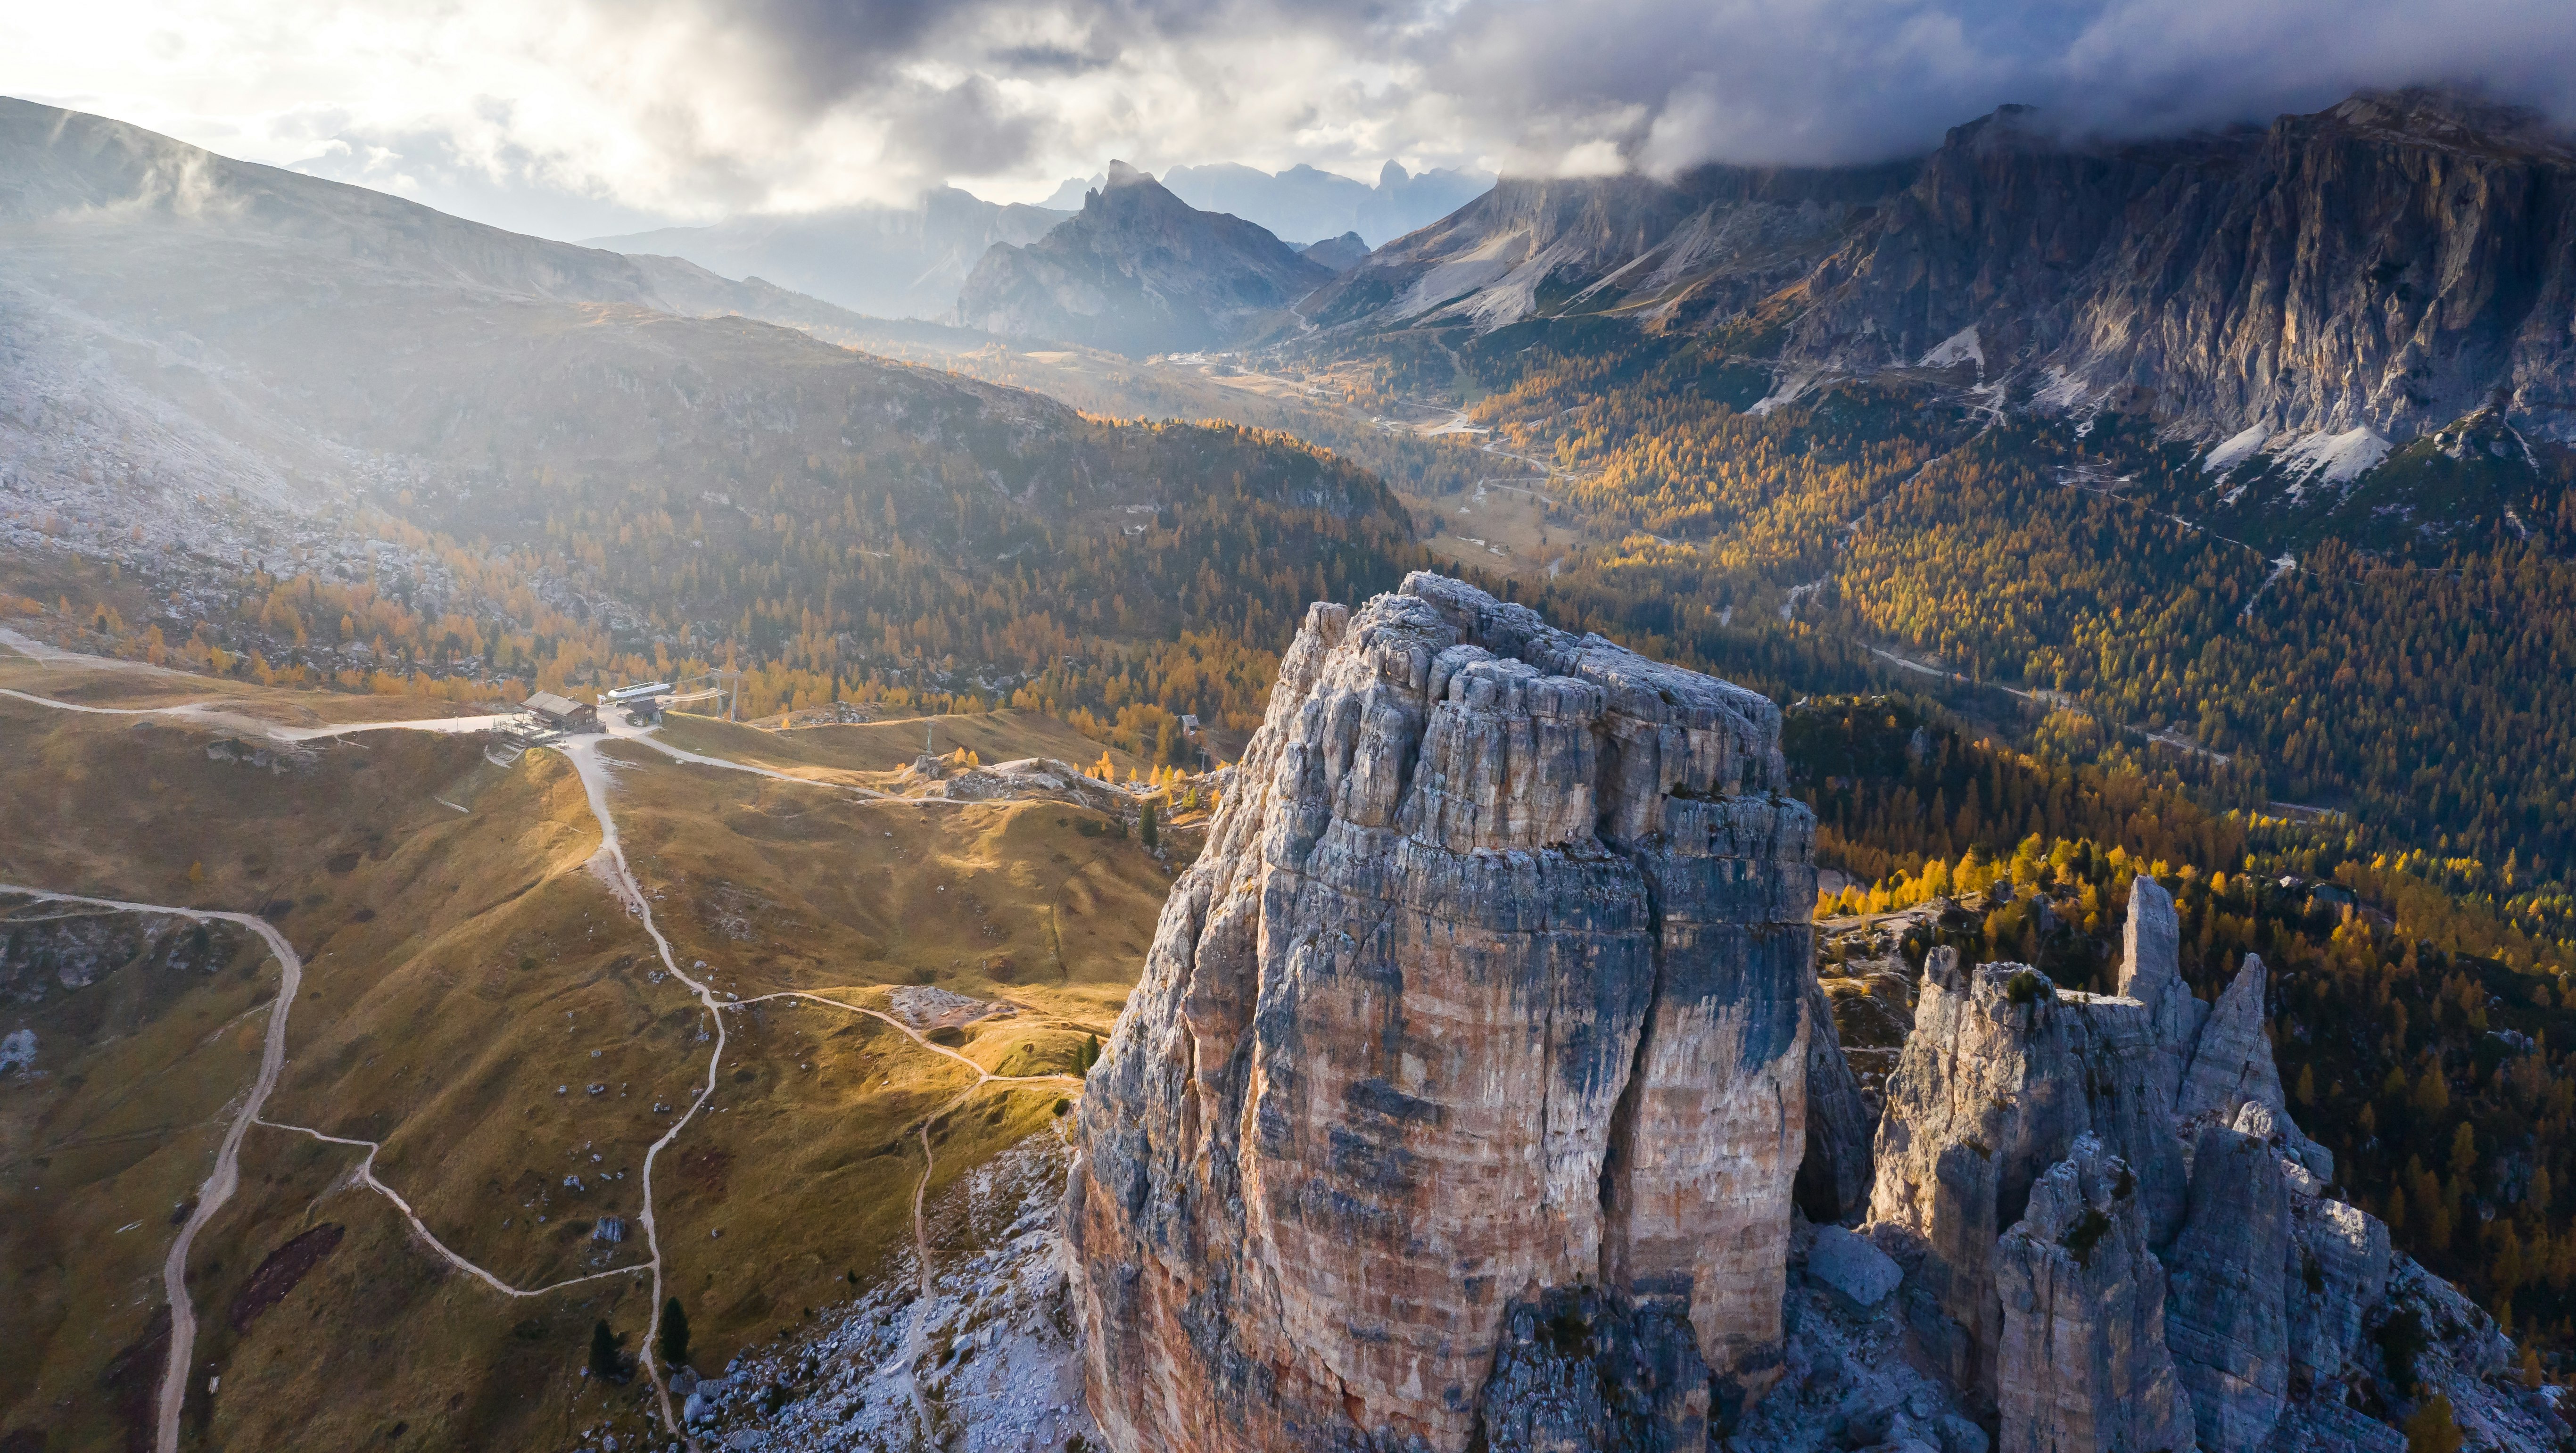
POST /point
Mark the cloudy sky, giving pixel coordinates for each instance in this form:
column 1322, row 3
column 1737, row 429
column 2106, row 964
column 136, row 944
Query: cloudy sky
column 586, row 116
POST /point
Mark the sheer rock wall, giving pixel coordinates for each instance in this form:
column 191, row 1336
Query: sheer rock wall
column 1469, row 1061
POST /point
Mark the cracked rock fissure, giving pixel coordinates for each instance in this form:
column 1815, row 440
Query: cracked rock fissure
column 1461, row 1099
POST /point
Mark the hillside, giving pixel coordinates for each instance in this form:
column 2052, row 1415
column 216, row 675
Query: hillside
column 335, row 435
column 477, row 1002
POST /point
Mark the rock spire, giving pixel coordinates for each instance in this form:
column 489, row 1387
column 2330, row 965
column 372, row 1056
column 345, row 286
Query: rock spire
column 1469, row 1065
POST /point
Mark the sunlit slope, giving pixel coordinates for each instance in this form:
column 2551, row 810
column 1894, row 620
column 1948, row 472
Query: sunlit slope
column 478, row 1002
column 782, row 886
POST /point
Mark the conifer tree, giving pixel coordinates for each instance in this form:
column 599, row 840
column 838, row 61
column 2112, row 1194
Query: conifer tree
column 675, row 1334
column 604, row 1361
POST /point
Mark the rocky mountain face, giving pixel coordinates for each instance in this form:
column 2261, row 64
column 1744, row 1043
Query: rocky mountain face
column 1716, row 240
column 1479, row 1095
column 2362, row 275
column 2391, row 264
column 1139, row 271
column 1466, row 1083
column 887, row 262
column 1341, row 254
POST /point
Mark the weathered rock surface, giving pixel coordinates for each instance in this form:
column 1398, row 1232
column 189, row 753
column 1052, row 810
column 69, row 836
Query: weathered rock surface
column 2231, row 1061
column 2340, row 1273
column 2229, row 1322
column 1469, row 1056
column 2151, row 973
column 2083, row 1365
column 46, row 948
column 1834, row 1177
column 2002, row 1075
column 1137, row 271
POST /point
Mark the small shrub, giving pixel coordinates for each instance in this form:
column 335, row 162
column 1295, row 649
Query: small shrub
column 2401, row 1338
column 2086, row 1234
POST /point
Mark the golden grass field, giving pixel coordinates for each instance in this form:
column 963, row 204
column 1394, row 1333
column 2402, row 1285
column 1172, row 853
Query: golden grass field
column 469, row 977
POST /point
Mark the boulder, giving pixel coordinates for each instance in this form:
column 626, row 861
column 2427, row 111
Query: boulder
column 1858, row 1274
column 2227, row 1314
column 2082, row 1364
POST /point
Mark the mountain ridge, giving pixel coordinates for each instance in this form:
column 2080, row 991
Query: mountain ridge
column 2389, row 263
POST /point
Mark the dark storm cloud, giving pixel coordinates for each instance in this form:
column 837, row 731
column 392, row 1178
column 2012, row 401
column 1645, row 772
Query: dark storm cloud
column 1667, row 82
column 1847, row 80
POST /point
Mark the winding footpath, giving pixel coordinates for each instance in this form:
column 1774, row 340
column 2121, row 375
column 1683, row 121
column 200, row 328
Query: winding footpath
column 225, row 1178
column 583, row 753
column 595, row 772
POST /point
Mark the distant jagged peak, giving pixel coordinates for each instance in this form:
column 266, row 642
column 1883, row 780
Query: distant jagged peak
column 1123, row 175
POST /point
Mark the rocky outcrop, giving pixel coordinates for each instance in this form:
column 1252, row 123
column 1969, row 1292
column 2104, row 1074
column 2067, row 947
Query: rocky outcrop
column 2002, row 1075
column 1138, row 271
column 46, row 949
column 1835, row 1175
column 2083, row 1363
column 2231, row 1060
column 1469, row 1062
column 2231, row 1268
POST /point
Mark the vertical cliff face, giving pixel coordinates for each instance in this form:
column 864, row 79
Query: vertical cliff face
column 1469, row 1061
column 2229, row 1326
column 2084, row 1366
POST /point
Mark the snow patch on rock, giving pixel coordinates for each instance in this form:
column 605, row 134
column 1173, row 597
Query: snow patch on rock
column 2335, row 458
column 1960, row 347
column 2237, row 449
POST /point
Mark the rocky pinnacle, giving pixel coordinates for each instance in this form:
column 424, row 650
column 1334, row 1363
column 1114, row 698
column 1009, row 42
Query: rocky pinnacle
column 1463, row 1093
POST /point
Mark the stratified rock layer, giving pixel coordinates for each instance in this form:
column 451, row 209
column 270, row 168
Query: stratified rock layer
column 1469, row 1060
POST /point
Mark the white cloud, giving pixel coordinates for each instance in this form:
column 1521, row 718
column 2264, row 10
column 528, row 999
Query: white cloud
column 593, row 114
